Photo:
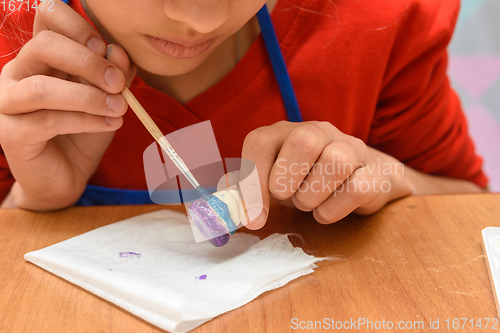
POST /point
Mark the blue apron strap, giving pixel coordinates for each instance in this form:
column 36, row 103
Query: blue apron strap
column 100, row 196
column 279, row 66
column 96, row 195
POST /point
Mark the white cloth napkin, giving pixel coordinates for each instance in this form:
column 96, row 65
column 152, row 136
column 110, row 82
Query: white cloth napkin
column 150, row 266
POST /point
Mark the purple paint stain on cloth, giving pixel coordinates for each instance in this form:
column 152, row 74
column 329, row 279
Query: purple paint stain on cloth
column 130, row 255
column 202, row 277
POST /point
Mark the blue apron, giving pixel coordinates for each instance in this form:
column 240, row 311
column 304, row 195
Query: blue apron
column 96, row 195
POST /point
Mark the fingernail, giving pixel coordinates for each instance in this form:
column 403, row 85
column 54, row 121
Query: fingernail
column 115, row 102
column 112, row 121
column 112, row 76
column 96, row 44
column 108, row 51
column 318, row 218
column 257, row 217
column 300, row 206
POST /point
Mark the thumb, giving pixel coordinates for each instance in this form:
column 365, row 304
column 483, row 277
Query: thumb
column 246, row 182
column 254, row 194
column 119, row 57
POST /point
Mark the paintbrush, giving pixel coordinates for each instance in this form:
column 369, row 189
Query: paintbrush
column 211, row 215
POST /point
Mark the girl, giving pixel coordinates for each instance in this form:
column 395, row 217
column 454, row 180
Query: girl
column 369, row 79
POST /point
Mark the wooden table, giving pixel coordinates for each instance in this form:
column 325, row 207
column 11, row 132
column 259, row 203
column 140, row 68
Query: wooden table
column 418, row 258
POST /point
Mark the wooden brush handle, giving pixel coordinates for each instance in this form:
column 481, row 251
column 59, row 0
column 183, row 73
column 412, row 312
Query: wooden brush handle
column 158, row 135
column 145, row 119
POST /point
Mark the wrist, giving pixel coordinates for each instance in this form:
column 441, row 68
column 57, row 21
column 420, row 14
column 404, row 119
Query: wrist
column 423, row 183
column 404, row 182
column 396, row 173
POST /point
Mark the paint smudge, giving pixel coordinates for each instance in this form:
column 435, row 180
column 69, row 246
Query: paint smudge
column 201, row 277
column 131, row 255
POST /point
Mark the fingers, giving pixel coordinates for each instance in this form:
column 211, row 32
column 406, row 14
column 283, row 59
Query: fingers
column 356, row 191
column 297, row 144
column 49, row 51
column 261, row 146
column 299, row 152
column 251, row 195
column 67, row 22
column 119, row 57
column 307, row 162
column 45, row 92
column 337, row 162
column 43, row 125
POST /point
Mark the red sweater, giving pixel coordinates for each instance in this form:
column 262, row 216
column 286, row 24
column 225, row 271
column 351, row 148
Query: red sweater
column 375, row 69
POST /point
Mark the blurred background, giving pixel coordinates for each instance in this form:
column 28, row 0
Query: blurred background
column 474, row 70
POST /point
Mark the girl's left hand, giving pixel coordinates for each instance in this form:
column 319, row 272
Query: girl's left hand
column 322, row 170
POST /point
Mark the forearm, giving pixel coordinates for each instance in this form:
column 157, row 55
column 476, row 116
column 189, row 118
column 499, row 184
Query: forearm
column 428, row 184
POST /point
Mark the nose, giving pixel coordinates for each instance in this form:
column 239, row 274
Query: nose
column 203, row 16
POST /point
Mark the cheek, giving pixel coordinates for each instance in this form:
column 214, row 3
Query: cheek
column 120, row 17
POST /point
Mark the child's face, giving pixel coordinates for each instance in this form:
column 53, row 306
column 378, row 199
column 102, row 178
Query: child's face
column 197, row 26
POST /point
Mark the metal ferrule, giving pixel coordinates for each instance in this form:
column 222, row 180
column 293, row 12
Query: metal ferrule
column 180, row 164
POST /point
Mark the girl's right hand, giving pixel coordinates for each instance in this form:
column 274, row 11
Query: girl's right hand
column 60, row 105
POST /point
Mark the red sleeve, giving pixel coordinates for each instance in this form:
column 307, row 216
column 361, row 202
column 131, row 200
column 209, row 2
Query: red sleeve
column 419, row 118
column 16, row 29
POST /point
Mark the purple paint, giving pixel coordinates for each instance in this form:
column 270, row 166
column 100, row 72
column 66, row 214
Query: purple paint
column 131, row 255
column 202, row 277
column 205, row 218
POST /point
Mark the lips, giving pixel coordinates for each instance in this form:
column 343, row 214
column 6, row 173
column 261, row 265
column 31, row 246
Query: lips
column 180, row 49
